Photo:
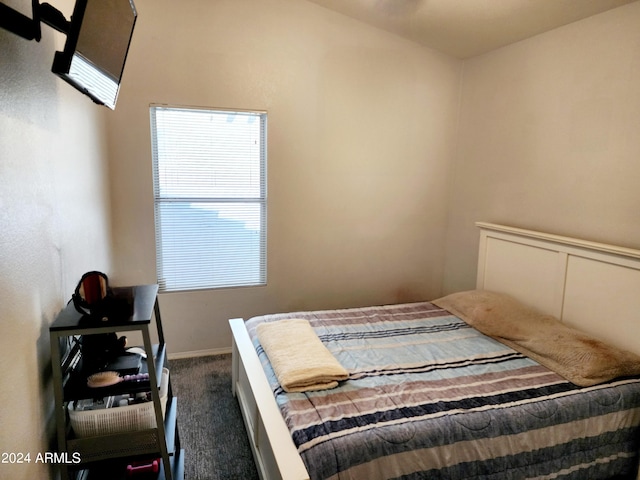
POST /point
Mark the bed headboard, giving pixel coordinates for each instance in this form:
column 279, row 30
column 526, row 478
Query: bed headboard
column 591, row 286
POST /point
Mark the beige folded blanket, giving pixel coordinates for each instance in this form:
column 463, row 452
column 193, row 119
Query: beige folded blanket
column 299, row 358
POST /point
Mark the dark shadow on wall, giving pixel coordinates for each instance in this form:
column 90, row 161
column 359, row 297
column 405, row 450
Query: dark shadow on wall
column 28, row 88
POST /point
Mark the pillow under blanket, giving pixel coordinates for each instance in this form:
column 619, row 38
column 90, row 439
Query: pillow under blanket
column 576, row 356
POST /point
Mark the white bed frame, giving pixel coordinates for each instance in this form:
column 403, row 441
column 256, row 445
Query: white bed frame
column 580, row 282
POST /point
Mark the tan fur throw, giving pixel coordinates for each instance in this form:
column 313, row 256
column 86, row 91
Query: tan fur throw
column 299, row 359
column 576, row 356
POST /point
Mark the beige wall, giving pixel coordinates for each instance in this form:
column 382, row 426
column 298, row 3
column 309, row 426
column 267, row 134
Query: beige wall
column 549, row 139
column 361, row 149
column 53, row 227
column 361, row 137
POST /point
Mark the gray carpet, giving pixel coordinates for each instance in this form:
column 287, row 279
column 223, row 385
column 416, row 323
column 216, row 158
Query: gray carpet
column 211, row 430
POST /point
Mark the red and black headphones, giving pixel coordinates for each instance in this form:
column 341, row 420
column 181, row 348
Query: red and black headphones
column 91, row 292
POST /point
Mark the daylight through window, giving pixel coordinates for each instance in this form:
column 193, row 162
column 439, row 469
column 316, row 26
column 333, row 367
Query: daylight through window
column 209, row 172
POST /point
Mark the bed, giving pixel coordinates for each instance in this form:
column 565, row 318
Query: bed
column 474, row 406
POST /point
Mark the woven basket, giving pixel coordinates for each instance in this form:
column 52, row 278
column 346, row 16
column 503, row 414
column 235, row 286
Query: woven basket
column 130, row 418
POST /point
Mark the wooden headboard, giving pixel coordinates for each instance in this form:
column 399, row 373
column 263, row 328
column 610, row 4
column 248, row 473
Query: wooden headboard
column 591, row 286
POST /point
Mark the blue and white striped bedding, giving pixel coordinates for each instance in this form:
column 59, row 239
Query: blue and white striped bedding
column 430, row 397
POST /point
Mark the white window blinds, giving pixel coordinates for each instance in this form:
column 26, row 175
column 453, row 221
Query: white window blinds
column 209, row 172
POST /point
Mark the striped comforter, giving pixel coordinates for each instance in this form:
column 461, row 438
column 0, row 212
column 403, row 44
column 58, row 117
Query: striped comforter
column 430, row 397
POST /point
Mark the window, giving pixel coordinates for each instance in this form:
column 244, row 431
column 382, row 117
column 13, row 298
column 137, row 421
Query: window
column 209, row 175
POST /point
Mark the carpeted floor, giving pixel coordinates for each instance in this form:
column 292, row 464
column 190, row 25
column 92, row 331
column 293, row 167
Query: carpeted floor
column 211, row 430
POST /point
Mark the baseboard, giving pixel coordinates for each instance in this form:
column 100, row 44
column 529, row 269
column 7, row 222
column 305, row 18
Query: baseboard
column 200, row 353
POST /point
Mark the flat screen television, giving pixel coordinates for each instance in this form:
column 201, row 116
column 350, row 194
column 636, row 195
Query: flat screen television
column 98, row 39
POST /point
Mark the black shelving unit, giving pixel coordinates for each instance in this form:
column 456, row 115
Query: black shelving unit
column 106, row 456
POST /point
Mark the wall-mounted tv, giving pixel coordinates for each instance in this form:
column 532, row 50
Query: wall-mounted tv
column 98, row 38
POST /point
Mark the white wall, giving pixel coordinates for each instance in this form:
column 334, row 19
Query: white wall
column 361, row 138
column 54, row 226
column 549, row 139
column 361, row 142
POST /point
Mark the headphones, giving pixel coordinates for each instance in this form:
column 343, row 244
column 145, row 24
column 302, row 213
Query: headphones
column 91, row 292
column 94, row 298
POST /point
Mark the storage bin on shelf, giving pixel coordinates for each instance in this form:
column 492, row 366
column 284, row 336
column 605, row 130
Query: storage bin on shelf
column 129, row 418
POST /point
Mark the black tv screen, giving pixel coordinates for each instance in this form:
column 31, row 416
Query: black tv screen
column 96, row 49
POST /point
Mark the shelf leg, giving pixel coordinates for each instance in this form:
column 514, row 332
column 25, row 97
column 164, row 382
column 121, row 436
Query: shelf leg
column 155, row 394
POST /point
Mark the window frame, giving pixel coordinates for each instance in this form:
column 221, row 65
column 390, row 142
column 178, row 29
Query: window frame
column 260, row 200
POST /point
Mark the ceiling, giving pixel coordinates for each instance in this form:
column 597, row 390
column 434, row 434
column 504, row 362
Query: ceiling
column 465, row 28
